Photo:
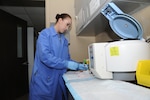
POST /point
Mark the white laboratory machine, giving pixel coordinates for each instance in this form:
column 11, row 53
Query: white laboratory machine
column 118, row 59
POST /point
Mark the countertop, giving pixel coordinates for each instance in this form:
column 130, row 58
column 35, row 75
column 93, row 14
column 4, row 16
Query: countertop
column 84, row 86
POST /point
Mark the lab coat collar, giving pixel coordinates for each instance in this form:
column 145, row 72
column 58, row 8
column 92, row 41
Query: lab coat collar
column 54, row 33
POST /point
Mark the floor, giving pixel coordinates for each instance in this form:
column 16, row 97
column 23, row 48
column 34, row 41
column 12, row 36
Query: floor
column 25, row 97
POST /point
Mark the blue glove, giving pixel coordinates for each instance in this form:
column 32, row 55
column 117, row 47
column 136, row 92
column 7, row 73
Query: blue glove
column 83, row 67
column 72, row 65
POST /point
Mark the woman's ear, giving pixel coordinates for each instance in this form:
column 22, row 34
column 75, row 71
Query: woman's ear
column 60, row 20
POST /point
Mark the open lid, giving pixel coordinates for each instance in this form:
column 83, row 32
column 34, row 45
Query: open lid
column 122, row 24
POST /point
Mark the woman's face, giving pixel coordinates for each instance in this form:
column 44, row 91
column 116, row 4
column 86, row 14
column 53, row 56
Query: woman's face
column 64, row 24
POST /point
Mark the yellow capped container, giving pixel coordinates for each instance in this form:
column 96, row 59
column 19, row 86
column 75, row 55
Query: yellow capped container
column 143, row 73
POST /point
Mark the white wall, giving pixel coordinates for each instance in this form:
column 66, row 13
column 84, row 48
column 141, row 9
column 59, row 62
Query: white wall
column 30, row 43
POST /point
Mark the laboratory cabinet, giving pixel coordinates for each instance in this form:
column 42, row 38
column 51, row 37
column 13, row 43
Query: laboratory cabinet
column 13, row 57
column 85, row 12
column 89, row 20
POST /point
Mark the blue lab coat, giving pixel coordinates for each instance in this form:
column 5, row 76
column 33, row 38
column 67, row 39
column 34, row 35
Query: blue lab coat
column 50, row 64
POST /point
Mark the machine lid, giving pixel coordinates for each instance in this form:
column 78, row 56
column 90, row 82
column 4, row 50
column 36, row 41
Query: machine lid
column 122, row 24
column 126, row 27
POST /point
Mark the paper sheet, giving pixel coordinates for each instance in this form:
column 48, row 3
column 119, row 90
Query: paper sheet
column 84, row 86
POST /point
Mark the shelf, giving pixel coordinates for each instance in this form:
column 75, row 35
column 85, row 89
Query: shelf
column 97, row 23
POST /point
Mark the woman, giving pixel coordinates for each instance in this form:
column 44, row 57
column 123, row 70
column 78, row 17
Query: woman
column 52, row 59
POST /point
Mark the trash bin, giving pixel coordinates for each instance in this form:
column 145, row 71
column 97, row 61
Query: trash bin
column 143, row 73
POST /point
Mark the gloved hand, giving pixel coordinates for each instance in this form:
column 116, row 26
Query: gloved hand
column 72, row 65
column 82, row 67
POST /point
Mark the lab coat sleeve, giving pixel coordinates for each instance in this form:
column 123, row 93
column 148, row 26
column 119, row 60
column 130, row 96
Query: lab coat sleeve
column 46, row 57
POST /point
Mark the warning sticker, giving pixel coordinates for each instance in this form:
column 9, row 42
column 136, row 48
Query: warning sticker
column 114, row 51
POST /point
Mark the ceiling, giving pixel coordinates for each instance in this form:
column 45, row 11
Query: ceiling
column 32, row 11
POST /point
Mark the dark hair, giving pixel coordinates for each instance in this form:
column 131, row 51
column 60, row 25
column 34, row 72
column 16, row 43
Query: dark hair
column 63, row 16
